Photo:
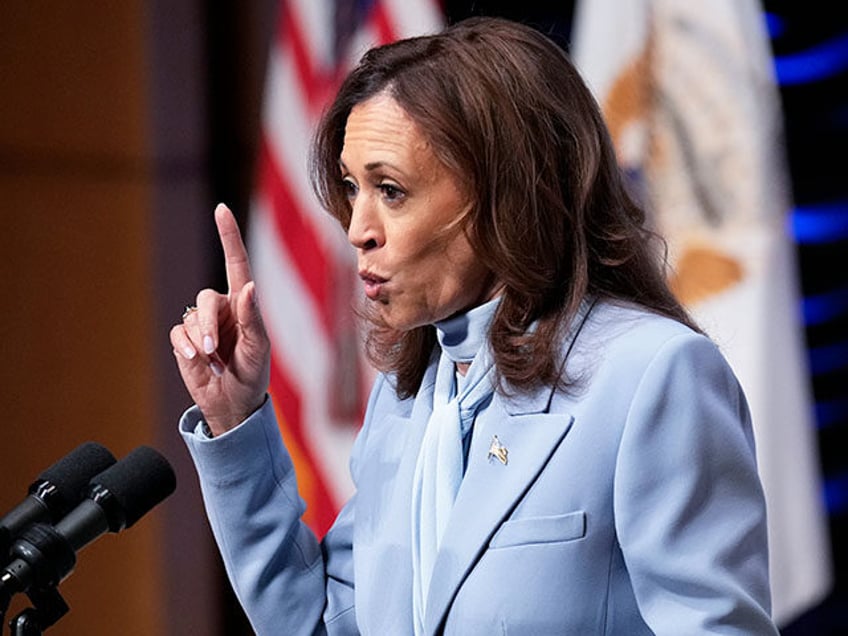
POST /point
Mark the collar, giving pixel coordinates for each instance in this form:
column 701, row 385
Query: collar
column 463, row 335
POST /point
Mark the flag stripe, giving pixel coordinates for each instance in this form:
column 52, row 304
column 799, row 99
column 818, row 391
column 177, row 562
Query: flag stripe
column 270, row 255
column 301, row 349
column 288, row 141
column 308, row 253
column 321, row 506
column 311, row 84
column 382, row 26
column 300, row 254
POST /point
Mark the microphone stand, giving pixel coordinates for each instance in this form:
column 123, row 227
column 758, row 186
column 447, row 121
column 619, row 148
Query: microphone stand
column 48, row 606
column 42, row 558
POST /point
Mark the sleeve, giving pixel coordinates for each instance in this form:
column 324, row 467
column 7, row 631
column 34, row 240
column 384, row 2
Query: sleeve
column 689, row 507
column 273, row 560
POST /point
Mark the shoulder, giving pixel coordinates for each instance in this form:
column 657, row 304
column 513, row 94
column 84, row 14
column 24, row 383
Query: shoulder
column 619, row 345
column 384, row 398
column 618, row 321
column 632, row 334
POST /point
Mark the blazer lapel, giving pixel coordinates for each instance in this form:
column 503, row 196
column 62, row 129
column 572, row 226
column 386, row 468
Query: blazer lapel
column 382, row 534
column 413, row 427
column 491, row 489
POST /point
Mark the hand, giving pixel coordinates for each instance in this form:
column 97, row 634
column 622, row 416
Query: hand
column 221, row 347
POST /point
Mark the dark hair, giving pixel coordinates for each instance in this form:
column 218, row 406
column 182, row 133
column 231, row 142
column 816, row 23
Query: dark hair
column 502, row 106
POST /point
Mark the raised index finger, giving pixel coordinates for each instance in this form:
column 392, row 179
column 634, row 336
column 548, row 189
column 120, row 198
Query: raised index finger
column 235, row 253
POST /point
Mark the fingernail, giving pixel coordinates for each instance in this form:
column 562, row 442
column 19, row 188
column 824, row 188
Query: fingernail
column 216, row 367
column 189, row 352
column 208, row 344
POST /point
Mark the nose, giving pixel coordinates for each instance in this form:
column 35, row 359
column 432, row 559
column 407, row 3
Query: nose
column 365, row 231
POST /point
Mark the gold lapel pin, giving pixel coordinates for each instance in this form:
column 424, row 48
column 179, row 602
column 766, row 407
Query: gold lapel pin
column 497, row 450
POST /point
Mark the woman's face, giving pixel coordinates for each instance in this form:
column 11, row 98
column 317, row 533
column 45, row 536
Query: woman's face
column 415, row 261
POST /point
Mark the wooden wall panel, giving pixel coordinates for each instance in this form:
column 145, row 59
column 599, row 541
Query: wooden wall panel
column 75, row 326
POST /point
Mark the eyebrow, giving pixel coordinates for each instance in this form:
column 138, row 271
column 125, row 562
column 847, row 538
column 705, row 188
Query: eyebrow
column 371, row 166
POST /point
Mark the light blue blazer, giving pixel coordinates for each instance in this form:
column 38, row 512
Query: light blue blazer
column 628, row 505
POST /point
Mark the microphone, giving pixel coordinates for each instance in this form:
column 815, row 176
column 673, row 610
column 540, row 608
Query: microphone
column 114, row 500
column 56, row 490
column 119, row 496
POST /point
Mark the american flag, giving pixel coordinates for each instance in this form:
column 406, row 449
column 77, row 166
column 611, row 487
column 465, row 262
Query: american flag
column 304, row 268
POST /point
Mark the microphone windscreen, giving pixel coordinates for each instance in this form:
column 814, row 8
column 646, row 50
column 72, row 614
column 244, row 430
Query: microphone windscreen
column 138, row 482
column 70, row 475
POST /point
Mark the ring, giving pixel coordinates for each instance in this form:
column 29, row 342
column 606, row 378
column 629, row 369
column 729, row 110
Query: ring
column 188, row 311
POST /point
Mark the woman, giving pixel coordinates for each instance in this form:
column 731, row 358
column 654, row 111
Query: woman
column 552, row 446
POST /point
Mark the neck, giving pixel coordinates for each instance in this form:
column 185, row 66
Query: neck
column 462, row 336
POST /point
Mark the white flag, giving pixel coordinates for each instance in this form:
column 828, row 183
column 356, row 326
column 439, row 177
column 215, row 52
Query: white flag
column 689, row 94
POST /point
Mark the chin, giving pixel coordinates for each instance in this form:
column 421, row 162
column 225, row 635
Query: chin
column 401, row 324
column 395, row 318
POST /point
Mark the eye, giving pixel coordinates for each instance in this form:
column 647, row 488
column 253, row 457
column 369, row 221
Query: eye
column 350, row 188
column 391, row 192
